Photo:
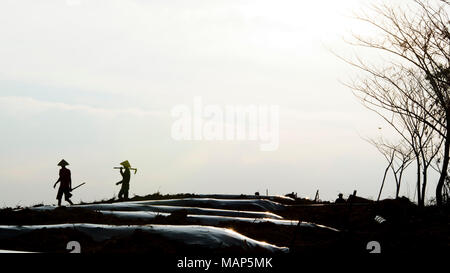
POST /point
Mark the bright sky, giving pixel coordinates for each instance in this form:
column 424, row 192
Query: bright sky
column 94, row 82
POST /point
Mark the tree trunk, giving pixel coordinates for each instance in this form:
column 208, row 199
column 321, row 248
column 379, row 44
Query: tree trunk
column 424, row 183
column 419, row 195
column 400, row 181
column 384, row 179
column 441, row 181
column 397, row 184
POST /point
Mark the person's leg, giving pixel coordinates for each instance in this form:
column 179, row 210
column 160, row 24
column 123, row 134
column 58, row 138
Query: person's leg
column 126, row 188
column 59, row 196
column 68, row 200
column 67, row 196
column 121, row 192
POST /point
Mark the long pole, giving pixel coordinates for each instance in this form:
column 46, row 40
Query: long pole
column 79, row 185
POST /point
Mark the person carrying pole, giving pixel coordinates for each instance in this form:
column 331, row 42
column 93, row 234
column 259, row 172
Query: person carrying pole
column 65, row 186
column 125, row 172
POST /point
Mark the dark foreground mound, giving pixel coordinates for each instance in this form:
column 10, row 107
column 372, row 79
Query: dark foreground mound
column 402, row 228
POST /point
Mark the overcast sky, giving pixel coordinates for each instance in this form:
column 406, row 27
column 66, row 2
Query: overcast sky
column 94, row 82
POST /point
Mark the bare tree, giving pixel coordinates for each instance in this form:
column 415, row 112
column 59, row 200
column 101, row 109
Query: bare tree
column 411, row 90
column 446, row 188
column 389, row 155
column 398, row 157
column 403, row 159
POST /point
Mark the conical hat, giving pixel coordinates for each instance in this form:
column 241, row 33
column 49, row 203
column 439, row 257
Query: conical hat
column 63, row 163
column 126, row 164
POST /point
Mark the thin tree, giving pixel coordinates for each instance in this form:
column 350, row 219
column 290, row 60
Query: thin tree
column 398, row 157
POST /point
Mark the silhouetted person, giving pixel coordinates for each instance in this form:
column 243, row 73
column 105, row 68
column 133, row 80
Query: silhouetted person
column 123, row 193
column 340, row 200
column 65, row 183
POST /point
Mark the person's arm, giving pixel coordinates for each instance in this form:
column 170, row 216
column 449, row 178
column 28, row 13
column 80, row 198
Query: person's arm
column 70, row 180
column 57, row 181
column 121, row 173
